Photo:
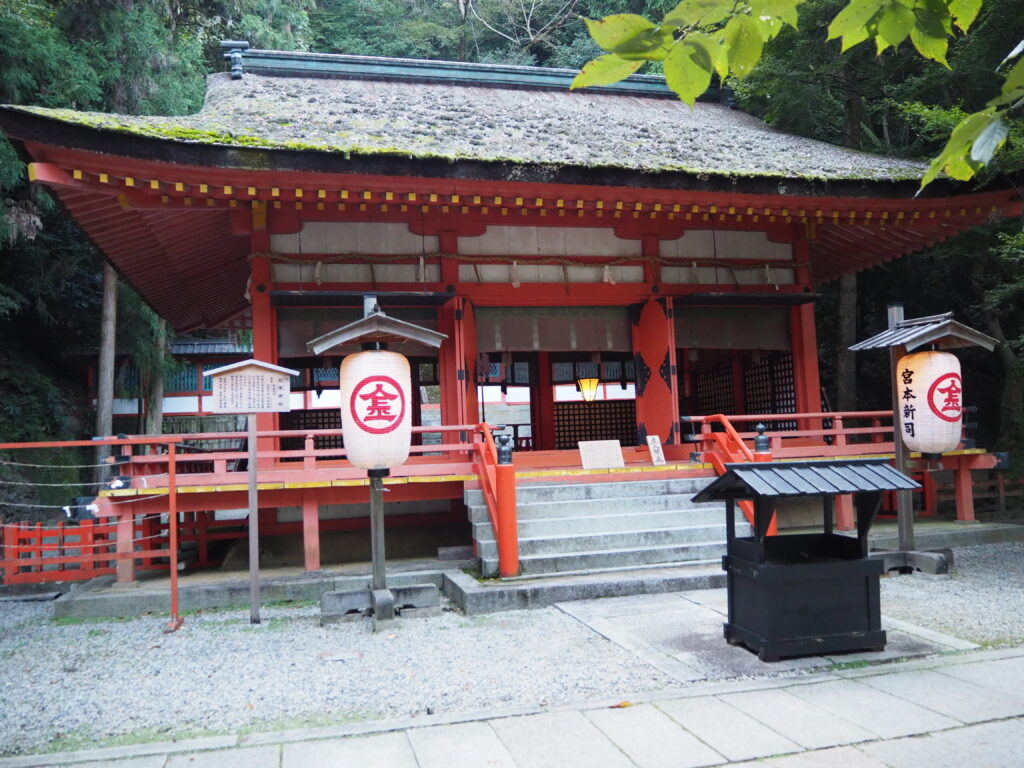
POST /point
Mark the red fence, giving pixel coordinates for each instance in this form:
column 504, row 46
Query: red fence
column 74, row 551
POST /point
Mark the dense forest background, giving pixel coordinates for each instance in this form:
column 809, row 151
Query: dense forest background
column 152, row 57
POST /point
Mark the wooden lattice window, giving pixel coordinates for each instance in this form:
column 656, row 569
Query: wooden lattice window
column 316, row 418
column 769, row 387
column 599, row 420
column 714, row 390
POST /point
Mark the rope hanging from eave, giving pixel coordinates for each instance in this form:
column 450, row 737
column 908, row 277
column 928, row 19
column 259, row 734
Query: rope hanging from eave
column 562, row 261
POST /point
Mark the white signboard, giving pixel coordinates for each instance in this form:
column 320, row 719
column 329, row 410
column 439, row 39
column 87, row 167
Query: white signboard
column 601, row 454
column 657, row 455
column 250, row 387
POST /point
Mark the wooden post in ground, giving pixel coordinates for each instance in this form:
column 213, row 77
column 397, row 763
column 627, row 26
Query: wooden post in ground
column 105, row 365
column 311, row 530
column 154, row 421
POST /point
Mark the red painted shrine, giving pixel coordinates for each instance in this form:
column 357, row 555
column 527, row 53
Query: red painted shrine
column 671, row 253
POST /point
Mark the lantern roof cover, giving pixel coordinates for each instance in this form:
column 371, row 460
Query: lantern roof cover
column 264, row 366
column 376, row 326
column 805, row 478
column 941, row 330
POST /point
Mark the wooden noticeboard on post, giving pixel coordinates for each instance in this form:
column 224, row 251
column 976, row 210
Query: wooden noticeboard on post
column 251, row 387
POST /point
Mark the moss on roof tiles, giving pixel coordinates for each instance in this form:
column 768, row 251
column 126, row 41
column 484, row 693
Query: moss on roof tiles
column 457, row 122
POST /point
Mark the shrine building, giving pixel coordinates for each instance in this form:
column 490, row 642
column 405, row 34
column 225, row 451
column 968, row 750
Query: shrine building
column 672, row 254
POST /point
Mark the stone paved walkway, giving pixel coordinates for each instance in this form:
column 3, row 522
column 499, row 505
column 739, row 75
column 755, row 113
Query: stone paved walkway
column 954, row 710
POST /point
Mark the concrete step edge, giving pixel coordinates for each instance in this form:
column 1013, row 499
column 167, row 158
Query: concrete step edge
column 618, row 552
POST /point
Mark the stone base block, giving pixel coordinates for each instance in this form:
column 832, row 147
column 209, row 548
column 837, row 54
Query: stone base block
column 409, row 601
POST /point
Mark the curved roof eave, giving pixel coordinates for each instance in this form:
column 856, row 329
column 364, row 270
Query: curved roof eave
column 20, row 123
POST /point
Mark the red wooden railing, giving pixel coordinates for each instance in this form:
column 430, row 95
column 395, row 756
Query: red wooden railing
column 498, row 484
column 74, row 551
column 33, row 552
column 727, row 447
column 818, row 435
column 812, row 438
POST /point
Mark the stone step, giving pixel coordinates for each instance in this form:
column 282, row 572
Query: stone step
column 600, row 522
column 606, row 559
column 581, row 508
column 475, row 597
column 609, row 490
column 688, row 535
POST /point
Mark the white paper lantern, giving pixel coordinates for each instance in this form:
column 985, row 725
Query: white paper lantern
column 930, row 402
column 376, row 408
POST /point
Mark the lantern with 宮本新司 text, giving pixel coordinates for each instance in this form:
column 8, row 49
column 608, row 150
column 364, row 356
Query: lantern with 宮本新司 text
column 376, row 408
column 930, row 401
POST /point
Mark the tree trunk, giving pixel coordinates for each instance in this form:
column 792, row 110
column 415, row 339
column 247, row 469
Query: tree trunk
column 853, row 111
column 1011, row 401
column 846, row 361
column 105, row 374
column 155, row 390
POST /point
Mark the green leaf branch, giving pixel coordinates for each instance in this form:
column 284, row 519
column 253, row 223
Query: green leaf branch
column 699, row 38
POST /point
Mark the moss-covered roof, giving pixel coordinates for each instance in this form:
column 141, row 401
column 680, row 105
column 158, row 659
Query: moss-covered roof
column 529, row 127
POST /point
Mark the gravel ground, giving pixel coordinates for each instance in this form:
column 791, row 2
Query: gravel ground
column 93, row 681
column 982, row 601
column 69, row 685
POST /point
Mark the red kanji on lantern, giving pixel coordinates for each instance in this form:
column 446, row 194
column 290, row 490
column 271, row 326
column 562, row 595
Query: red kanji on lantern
column 377, row 399
column 944, row 397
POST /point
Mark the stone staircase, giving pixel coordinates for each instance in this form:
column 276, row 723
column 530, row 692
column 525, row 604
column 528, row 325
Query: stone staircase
column 594, row 527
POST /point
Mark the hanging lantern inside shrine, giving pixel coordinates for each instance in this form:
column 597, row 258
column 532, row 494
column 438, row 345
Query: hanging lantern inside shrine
column 930, row 401
column 376, row 408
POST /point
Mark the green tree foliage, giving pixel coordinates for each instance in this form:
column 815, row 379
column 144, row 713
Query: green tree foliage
column 398, row 28
column 699, row 38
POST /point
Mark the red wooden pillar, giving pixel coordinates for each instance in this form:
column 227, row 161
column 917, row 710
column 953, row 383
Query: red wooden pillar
column 964, row 490
column 805, row 360
column 844, row 512
column 654, row 347
column 468, row 333
column 451, row 365
column 125, row 546
column 311, row 530
column 804, row 337
column 929, row 502
column 543, row 406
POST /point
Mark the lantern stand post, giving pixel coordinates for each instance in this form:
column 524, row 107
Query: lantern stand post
column 382, row 601
column 904, row 501
column 254, row 526
column 902, row 337
column 373, row 332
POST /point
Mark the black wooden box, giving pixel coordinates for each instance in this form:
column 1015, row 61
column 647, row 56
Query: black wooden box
column 813, row 594
column 803, row 593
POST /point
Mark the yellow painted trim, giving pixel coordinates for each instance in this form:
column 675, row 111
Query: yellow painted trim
column 442, row 478
column 324, row 484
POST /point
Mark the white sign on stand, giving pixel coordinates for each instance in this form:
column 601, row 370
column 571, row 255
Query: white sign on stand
column 657, row 454
column 601, row 454
column 252, row 386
